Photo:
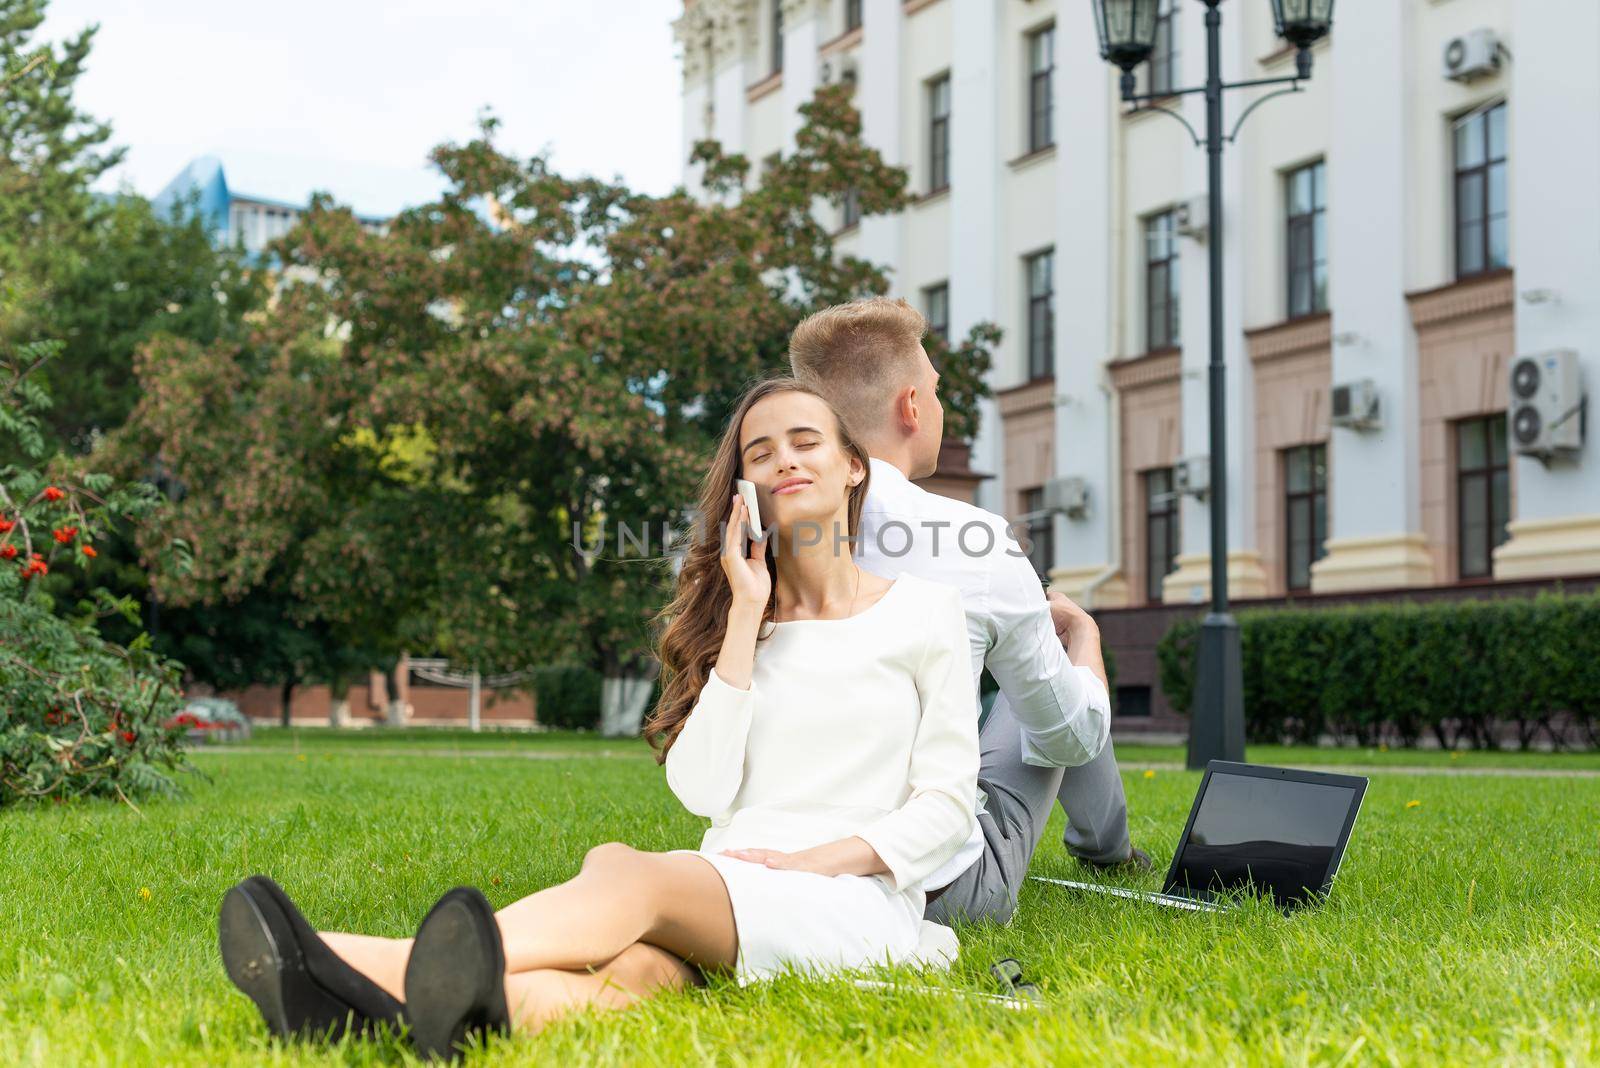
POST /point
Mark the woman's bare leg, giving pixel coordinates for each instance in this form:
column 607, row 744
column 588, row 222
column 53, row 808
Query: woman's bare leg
column 638, row 972
column 383, row 960
column 675, row 901
column 621, row 897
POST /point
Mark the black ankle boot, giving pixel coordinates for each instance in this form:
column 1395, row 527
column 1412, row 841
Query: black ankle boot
column 301, row 987
column 455, row 979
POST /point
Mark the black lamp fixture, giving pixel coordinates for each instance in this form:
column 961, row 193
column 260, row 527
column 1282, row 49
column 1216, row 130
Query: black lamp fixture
column 1127, row 30
column 1302, row 23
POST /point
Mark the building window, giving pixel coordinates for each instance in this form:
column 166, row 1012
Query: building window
column 777, row 36
column 1306, row 229
column 1483, row 237
column 852, row 15
column 1160, row 530
column 1162, row 69
column 851, row 208
column 1483, row 493
column 939, row 134
column 1305, row 511
column 1161, row 281
column 1132, row 702
column 936, row 302
column 1041, row 314
column 1041, row 71
column 1041, row 532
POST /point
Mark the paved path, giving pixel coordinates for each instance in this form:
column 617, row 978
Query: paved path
column 1130, row 765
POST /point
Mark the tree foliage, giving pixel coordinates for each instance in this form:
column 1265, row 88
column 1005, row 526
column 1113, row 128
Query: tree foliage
column 78, row 715
column 414, row 433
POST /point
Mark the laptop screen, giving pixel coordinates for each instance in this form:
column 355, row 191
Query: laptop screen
column 1278, row 834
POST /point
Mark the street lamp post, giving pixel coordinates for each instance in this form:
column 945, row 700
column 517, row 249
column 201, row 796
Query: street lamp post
column 1127, row 30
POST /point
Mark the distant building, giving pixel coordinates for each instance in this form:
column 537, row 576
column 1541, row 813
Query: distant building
column 251, row 201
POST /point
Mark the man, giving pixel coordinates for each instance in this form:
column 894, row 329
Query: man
column 1048, row 732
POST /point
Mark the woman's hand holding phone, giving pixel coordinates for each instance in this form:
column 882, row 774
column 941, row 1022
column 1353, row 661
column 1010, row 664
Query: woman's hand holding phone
column 744, row 560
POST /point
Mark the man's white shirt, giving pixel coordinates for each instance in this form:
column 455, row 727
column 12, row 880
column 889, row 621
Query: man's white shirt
column 1064, row 710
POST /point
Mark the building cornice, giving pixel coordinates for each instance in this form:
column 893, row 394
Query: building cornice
column 1151, row 369
column 1472, row 296
column 1037, row 395
column 842, row 43
column 1305, row 334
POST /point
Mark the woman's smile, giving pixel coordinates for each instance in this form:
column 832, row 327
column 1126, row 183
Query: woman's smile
column 791, row 485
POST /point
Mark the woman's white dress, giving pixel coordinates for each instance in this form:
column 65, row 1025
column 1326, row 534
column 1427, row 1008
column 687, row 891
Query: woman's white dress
column 862, row 726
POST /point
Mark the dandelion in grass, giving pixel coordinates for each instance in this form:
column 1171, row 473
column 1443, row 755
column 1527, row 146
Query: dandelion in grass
column 1150, row 773
column 1413, row 804
column 144, row 893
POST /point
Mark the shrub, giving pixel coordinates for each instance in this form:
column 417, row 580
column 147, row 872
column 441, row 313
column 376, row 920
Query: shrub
column 1459, row 671
column 79, row 715
column 567, row 697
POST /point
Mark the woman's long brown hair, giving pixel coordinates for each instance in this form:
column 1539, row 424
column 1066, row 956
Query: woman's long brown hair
column 693, row 625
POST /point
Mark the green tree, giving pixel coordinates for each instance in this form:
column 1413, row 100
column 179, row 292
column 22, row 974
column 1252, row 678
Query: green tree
column 129, row 276
column 50, row 152
column 416, row 432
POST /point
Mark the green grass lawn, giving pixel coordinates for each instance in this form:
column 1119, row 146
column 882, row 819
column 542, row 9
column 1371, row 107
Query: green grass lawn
column 1463, row 929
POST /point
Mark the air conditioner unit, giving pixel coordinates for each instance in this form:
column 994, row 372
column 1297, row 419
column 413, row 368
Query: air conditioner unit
column 1547, row 404
column 1191, row 476
column 1355, row 405
column 1193, row 218
column 837, row 69
column 1069, row 495
column 1472, row 55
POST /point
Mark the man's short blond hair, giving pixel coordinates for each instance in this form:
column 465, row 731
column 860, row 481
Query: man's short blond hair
column 858, row 355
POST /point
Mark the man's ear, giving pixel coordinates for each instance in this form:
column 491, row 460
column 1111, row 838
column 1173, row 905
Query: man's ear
column 907, row 410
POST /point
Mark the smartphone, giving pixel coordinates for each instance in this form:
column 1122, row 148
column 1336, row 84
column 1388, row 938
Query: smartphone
column 747, row 490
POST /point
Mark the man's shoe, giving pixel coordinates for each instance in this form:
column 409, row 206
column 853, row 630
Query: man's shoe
column 268, row 960
column 1137, row 860
column 455, row 979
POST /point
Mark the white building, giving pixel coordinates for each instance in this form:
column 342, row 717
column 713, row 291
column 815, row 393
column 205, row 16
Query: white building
column 1395, row 226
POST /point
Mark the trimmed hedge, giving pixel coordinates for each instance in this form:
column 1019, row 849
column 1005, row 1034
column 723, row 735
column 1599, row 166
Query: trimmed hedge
column 1460, row 671
column 567, row 697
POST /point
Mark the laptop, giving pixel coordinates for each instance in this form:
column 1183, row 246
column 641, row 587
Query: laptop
column 1255, row 829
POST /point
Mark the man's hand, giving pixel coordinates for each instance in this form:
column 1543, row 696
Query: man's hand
column 1079, row 634
column 1068, row 617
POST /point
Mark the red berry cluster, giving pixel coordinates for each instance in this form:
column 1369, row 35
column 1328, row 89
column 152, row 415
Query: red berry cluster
column 52, row 494
column 36, row 566
column 55, row 716
column 64, row 535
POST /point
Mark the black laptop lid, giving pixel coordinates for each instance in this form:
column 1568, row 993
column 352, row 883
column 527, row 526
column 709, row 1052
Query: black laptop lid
column 1277, row 828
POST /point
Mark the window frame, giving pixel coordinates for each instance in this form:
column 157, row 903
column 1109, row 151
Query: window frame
column 1167, row 510
column 1305, row 224
column 1041, row 349
column 850, row 209
column 1496, row 534
column 776, row 24
column 1165, row 35
column 938, row 133
column 852, row 15
column 1316, row 491
column 1041, row 83
column 1482, row 171
column 1171, row 267
column 939, row 325
column 1041, row 531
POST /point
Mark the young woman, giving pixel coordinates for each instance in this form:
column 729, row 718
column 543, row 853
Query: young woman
column 822, row 717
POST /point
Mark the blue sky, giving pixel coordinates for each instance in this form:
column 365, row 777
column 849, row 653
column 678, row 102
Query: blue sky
column 333, row 92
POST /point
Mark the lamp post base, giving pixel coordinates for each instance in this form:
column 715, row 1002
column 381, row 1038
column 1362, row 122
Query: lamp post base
column 1216, row 731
